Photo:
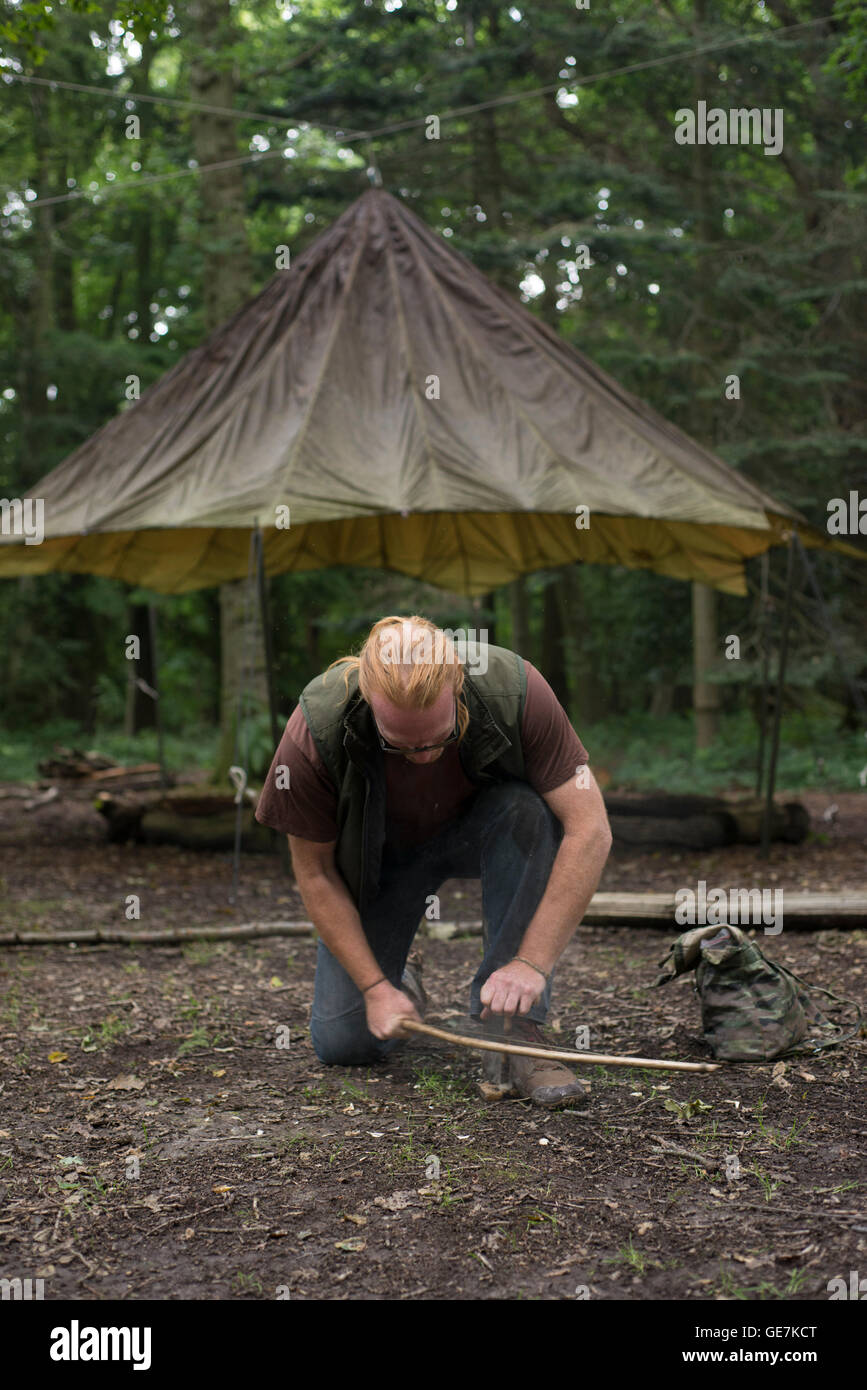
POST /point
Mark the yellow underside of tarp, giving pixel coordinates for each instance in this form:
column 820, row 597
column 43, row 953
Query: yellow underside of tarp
column 468, row 553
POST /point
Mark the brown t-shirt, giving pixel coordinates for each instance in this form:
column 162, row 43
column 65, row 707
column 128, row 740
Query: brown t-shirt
column 420, row 797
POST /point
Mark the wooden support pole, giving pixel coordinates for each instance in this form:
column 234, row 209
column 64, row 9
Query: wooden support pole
column 155, row 668
column 766, row 659
column 285, row 857
column 778, row 710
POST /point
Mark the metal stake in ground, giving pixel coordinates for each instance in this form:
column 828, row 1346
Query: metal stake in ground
column 554, row 1054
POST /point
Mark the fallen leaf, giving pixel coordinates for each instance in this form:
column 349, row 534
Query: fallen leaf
column 686, row 1109
column 125, row 1083
column 151, row 1202
column 58, row 1057
column 356, row 1220
column 353, row 1246
column 806, row 1075
column 75, row 1127
column 397, row 1201
column 275, row 982
column 221, row 1187
column 644, row 1227
column 221, row 1072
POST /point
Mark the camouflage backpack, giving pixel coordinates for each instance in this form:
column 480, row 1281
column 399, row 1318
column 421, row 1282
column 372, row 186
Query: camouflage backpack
column 752, row 1009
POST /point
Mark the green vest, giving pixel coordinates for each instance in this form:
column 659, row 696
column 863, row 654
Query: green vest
column 345, row 735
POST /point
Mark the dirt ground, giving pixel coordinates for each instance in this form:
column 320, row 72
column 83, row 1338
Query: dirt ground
column 162, row 1134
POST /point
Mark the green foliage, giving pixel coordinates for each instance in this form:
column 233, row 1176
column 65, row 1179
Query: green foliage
column 643, row 751
column 737, row 263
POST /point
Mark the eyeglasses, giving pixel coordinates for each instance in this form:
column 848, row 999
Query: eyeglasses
column 428, row 748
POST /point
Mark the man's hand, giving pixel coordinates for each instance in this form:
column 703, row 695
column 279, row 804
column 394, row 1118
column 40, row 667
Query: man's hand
column 386, row 1007
column 514, row 988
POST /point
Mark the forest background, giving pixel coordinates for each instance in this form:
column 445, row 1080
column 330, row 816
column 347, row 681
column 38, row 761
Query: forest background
column 701, row 269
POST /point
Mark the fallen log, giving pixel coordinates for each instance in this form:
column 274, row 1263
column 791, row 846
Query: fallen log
column 667, row 805
column 806, row 911
column 685, row 832
column 790, row 822
column 702, row 822
column 191, row 818
column 123, row 936
column 165, row 827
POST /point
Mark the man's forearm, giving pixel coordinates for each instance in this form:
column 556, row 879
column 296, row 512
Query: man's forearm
column 574, row 878
column 335, row 917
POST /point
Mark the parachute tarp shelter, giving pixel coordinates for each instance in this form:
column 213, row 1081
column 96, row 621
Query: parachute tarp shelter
column 411, row 417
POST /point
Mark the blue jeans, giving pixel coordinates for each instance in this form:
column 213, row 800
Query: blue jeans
column 509, row 839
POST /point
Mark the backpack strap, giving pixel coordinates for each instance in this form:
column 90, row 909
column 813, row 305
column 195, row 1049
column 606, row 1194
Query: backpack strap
column 812, row 1045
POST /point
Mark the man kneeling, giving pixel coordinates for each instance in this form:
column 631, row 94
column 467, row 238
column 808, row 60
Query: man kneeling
column 405, row 766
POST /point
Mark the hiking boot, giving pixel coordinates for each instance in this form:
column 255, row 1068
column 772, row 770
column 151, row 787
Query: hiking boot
column 411, row 982
column 543, row 1082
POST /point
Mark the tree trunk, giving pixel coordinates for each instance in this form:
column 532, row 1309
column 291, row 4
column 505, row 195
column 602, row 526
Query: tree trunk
column 705, row 695
column 704, row 634
column 485, row 609
column 64, row 278
column 227, row 282
column 583, row 678
column 140, row 707
column 34, row 367
column 311, row 645
column 553, row 641
column 242, row 645
column 519, row 612
column 662, row 699
column 143, row 216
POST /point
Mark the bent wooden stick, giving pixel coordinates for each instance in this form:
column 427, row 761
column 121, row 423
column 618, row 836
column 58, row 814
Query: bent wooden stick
column 555, row 1055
